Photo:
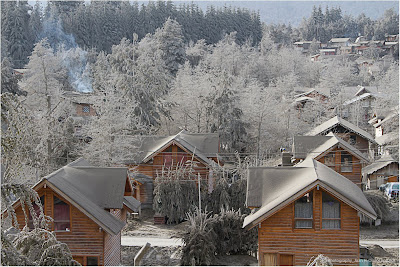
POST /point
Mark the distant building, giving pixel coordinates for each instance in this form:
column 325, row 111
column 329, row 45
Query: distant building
column 332, row 151
column 380, row 171
column 350, row 133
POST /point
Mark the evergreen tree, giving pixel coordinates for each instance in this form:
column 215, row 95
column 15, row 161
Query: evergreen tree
column 170, row 41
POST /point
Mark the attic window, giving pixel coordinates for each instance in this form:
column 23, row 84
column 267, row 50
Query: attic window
column 61, row 215
column 303, row 211
column 85, row 108
column 347, row 165
column 352, row 139
column 330, row 212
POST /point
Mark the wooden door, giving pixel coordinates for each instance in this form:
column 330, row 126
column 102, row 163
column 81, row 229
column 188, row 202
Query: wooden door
column 270, row 259
column 285, row 260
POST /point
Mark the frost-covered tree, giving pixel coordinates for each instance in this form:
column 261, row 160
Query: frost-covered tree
column 49, row 110
column 9, row 80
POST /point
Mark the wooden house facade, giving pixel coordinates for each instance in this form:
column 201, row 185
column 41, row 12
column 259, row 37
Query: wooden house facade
column 89, row 207
column 350, row 133
column 303, row 212
column 159, row 153
column 334, row 152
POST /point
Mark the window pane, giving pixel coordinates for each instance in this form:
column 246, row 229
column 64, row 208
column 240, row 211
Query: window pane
column 86, row 109
column 330, row 210
column 303, row 209
column 92, row 261
column 347, row 165
column 330, row 224
column 61, row 215
column 303, row 224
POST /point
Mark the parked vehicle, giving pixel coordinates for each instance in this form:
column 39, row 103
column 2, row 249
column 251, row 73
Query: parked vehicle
column 391, row 190
column 382, row 187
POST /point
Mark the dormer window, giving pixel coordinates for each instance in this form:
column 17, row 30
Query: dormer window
column 303, row 211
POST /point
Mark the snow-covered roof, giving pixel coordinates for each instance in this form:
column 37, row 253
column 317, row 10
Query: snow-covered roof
column 273, row 188
column 337, row 121
column 379, row 164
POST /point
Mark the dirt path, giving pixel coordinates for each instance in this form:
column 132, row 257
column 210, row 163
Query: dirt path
column 134, row 241
column 384, row 243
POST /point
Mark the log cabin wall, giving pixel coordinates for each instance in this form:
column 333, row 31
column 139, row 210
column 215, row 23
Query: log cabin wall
column 354, row 175
column 84, row 237
column 277, row 235
column 172, row 154
column 112, row 243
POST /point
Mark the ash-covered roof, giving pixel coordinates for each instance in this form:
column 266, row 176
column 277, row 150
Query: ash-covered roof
column 203, row 146
column 314, row 146
column 387, row 138
column 132, row 203
column 91, row 190
column 339, row 40
column 378, row 164
column 272, row 188
column 337, row 121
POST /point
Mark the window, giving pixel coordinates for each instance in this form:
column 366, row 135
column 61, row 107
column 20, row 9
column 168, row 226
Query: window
column 85, row 108
column 167, row 156
column 347, row 165
column 303, row 211
column 61, row 215
column 330, row 159
column 92, row 261
column 37, row 211
column 330, row 212
column 352, row 139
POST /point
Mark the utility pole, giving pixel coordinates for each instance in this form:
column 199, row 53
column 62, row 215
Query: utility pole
column 198, row 177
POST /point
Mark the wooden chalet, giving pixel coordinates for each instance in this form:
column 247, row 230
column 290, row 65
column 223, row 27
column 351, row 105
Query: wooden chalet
column 383, row 170
column 350, row 133
column 158, row 152
column 305, row 211
column 89, row 206
column 332, row 151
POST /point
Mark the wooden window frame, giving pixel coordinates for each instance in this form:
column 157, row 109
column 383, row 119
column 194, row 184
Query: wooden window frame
column 342, row 164
column 313, row 210
column 70, row 214
column 341, row 214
